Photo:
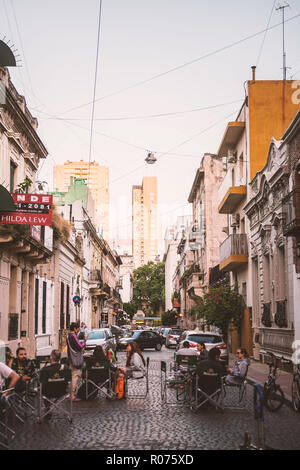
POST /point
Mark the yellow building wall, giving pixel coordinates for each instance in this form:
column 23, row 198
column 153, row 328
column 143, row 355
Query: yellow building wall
column 272, row 106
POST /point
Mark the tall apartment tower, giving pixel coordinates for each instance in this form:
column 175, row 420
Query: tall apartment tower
column 144, row 221
column 97, row 178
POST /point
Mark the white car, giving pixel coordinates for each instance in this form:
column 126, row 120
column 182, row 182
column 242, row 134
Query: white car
column 100, row 337
column 211, row 340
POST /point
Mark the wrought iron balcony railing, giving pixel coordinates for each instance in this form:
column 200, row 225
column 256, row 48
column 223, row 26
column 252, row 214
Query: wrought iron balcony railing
column 280, row 315
column 291, row 210
column 266, row 318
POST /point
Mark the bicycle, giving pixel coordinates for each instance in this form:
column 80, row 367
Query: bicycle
column 296, row 389
column 273, row 394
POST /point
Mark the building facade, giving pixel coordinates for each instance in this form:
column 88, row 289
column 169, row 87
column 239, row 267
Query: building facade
column 21, row 251
column 97, row 179
column 267, row 111
column 144, row 221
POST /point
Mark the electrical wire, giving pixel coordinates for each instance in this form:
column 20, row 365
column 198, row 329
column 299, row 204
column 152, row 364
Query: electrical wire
column 95, row 85
column 162, row 74
column 264, row 38
column 149, row 116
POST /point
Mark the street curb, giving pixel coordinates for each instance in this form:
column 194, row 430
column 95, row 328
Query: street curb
column 287, row 398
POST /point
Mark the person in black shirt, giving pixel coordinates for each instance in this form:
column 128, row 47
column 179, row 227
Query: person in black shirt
column 49, row 372
column 24, row 368
column 212, row 364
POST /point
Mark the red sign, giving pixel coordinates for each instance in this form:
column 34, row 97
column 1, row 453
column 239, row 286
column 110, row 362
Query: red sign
column 32, row 209
column 35, row 203
column 25, row 218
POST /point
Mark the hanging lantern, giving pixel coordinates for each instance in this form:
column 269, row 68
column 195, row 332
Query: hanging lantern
column 150, row 158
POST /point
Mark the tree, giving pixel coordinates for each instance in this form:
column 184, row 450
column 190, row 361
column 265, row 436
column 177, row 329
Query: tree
column 130, row 308
column 169, row 318
column 149, row 286
column 222, row 306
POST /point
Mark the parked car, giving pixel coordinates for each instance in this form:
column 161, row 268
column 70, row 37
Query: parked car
column 211, row 340
column 126, row 334
column 144, row 339
column 172, row 337
column 102, row 337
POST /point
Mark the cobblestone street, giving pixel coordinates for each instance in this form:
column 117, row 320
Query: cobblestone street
column 148, row 425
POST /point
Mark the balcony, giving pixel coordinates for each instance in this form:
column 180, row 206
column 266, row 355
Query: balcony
column 291, row 210
column 233, row 133
column 266, row 318
column 229, row 195
column 234, row 252
column 195, row 285
column 280, row 315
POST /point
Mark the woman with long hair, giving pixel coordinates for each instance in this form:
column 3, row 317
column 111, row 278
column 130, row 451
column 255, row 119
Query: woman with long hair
column 135, row 361
column 98, row 354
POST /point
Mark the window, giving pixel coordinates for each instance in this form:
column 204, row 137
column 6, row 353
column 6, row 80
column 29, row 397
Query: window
column 12, row 176
column 13, row 326
column 68, row 307
column 44, row 309
column 62, row 301
column 241, row 166
column 36, row 307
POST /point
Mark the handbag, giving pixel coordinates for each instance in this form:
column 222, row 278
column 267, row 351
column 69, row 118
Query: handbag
column 75, row 356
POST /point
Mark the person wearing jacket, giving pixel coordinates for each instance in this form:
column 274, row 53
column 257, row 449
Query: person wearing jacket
column 75, row 345
column 239, row 371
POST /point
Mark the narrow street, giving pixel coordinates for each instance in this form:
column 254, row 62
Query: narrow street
column 148, row 425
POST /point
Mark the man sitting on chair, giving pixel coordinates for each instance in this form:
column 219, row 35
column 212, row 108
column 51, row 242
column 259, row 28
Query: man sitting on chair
column 49, row 371
column 212, row 365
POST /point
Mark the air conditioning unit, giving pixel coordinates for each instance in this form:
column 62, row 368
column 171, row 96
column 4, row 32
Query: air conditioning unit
column 231, row 156
column 235, row 220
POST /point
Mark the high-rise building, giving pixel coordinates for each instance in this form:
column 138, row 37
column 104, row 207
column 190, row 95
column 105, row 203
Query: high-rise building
column 97, row 178
column 144, row 221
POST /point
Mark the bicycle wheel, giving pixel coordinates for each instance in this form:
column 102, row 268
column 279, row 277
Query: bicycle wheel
column 274, row 398
column 296, row 394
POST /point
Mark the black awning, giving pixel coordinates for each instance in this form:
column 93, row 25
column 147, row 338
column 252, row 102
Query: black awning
column 7, row 58
column 6, row 201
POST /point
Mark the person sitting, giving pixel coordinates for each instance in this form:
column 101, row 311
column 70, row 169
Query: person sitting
column 24, row 368
column 212, row 365
column 135, row 363
column 99, row 358
column 239, row 371
column 8, row 378
column 202, row 351
column 49, row 371
column 55, row 365
column 8, row 357
column 186, row 350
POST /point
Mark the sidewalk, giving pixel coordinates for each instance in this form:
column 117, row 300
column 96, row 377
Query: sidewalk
column 258, row 373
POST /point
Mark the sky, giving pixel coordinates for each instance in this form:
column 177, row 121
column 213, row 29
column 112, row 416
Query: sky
column 141, row 43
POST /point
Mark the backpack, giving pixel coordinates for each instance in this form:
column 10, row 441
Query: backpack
column 120, row 388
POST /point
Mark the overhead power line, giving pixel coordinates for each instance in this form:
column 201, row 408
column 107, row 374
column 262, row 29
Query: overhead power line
column 264, row 38
column 149, row 116
column 174, row 69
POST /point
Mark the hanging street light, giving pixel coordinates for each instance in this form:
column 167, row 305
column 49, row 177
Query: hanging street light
column 150, row 159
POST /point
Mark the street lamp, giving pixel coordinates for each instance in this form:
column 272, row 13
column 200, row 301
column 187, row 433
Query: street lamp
column 150, row 159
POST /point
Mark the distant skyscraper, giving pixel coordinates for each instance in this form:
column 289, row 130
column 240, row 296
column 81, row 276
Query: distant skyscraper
column 97, row 178
column 144, row 221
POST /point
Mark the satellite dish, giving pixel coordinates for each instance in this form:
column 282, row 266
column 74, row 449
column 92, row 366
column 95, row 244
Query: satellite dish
column 7, row 57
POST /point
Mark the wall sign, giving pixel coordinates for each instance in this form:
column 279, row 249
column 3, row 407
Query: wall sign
column 31, row 209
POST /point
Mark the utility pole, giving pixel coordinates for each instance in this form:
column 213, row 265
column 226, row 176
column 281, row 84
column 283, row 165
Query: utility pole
column 282, row 8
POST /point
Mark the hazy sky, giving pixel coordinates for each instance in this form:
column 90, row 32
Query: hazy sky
column 141, row 39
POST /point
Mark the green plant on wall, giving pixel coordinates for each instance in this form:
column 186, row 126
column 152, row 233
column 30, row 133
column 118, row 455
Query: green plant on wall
column 24, row 186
